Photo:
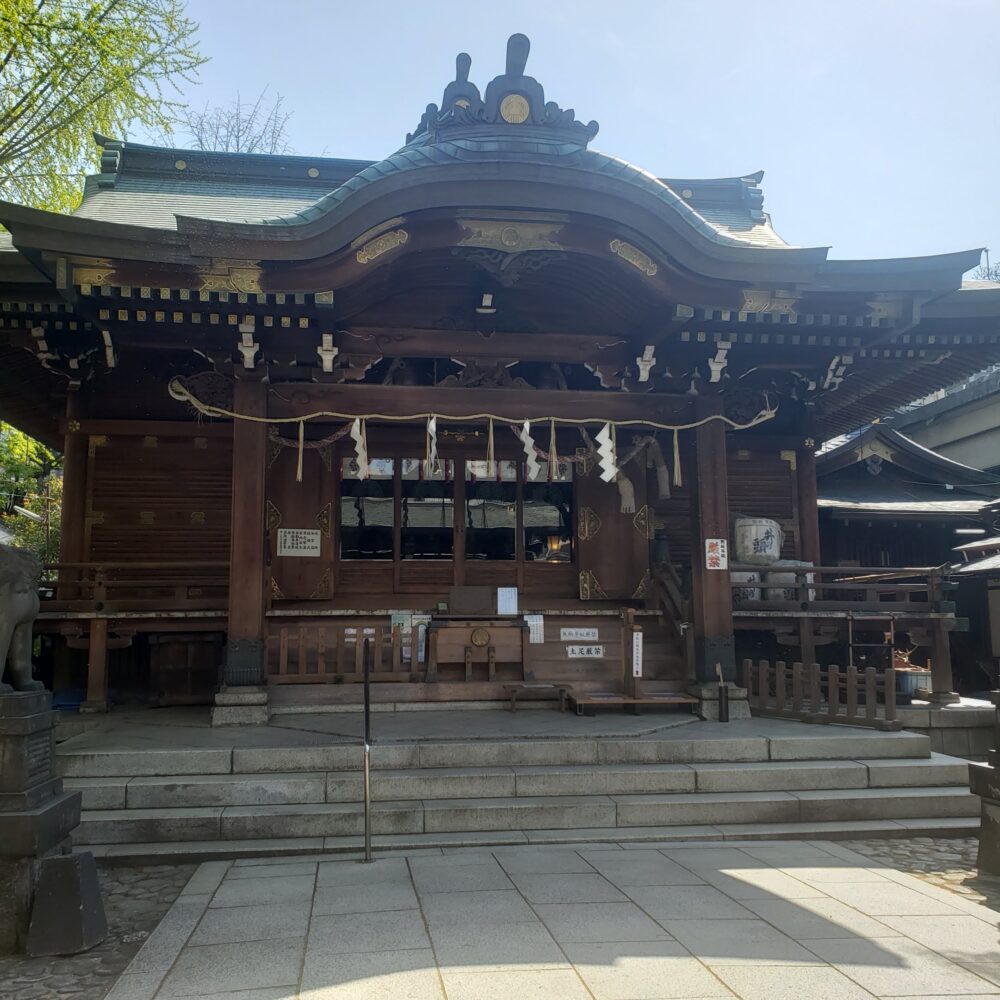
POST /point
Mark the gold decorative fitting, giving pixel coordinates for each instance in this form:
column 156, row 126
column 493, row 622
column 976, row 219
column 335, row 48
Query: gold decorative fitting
column 95, row 516
column 313, row 172
column 790, row 457
column 326, row 457
column 233, row 279
column 180, row 164
column 322, row 590
column 73, row 426
column 198, row 518
column 514, row 109
column 480, row 637
column 93, row 275
column 325, row 519
column 382, row 244
column 147, row 517
column 756, row 300
column 809, row 443
column 585, row 461
column 588, row 524
column 276, row 590
column 634, row 256
column 643, row 522
column 273, row 451
column 273, row 517
column 150, row 441
column 507, row 238
column 96, row 441
column 590, row 587
column 642, row 591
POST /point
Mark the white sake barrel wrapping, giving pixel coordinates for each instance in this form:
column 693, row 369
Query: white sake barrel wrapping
column 750, row 592
column 758, row 540
column 783, row 586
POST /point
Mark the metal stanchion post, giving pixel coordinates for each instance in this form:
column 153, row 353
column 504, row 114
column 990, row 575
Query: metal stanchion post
column 368, row 730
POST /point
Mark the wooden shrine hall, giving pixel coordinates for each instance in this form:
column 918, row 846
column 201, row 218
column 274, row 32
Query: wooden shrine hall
column 492, row 402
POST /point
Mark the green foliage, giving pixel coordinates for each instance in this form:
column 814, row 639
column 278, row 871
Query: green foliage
column 72, row 67
column 30, row 479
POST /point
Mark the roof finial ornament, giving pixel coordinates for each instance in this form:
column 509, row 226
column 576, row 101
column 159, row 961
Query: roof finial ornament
column 518, row 47
column 460, row 93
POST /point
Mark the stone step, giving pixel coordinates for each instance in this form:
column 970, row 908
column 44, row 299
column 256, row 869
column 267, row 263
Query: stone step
column 489, row 814
column 681, row 747
column 349, row 847
column 150, row 792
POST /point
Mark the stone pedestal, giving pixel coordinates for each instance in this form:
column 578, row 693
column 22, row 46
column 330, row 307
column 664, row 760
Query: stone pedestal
column 241, row 706
column 708, row 692
column 984, row 780
column 36, row 815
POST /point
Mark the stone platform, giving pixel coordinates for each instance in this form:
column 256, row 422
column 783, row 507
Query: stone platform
column 168, row 785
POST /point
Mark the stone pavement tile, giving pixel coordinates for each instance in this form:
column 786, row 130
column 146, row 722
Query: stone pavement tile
column 990, row 971
column 460, row 856
column 805, row 919
column 136, row 986
column 381, row 975
column 538, row 888
column 270, row 993
column 756, row 982
column 712, row 858
column 273, row 871
column 759, row 883
column 206, row 878
column 295, row 859
column 891, row 967
column 165, row 943
column 647, row 970
column 693, row 902
column 959, row 938
column 834, row 870
column 887, row 899
column 583, row 922
column 224, row 968
column 497, row 907
column 738, row 942
column 554, row 861
column 227, row 924
column 546, row 984
column 458, row 877
column 359, row 873
column 258, row 891
column 789, row 855
column 345, row 933
column 474, row 948
column 640, row 868
column 364, row 899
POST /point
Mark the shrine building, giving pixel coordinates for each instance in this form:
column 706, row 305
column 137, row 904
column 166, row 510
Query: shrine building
column 497, row 402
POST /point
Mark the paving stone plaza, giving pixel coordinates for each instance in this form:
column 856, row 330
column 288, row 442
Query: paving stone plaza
column 760, row 921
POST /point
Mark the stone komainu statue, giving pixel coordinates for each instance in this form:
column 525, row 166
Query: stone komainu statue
column 19, row 573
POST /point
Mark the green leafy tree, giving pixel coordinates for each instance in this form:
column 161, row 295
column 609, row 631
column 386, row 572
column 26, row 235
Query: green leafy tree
column 72, row 67
column 30, row 493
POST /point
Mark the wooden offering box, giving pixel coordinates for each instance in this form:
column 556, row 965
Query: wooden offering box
column 486, row 648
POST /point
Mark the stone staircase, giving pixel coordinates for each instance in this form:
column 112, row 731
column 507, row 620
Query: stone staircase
column 811, row 783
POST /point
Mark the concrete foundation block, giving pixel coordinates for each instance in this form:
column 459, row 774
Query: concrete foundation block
column 124, row 763
column 335, row 819
column 935, row 770
column 508, row 754
column 706, row 809
column 860, row 744
column 99, row 793
column 779, row 776
column 610, row 779
column 136, row 826
column 885, row 803
column 16, row 883
column 427, row 783
column 241, row 706
column 341, row 757
column 68, row 912
column 708, row 693
column 566, row 812
column 225, row 790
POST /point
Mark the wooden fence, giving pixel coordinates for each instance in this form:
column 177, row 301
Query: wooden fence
column 811, row 693
column 317, row 654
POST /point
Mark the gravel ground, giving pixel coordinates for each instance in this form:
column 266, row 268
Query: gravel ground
column 135, row 900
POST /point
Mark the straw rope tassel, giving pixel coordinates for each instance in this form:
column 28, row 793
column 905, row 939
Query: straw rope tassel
column 678, row 480
column 302, row 446
column 553, row 457
column 491, row 465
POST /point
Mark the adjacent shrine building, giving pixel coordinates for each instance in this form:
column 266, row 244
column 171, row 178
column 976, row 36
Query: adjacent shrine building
column 306, row 400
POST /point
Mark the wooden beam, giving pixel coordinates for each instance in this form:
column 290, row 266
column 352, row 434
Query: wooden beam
column 73, row 529
column 83, row 428
column 805, row 471
column 97, row 667
column 245, row 646
column 297, row 399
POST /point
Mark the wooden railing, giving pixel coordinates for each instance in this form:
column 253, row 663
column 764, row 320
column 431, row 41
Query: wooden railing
column 131, row 586
column 811, row 693
column 317, row 654
column 843, row 588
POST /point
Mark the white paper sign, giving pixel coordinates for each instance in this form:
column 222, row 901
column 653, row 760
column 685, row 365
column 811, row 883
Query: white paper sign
column 303, row 542
column 636, row 654
column 506, row 600
column 536, row 629
column 578, row 635
column 575, row 652
column 716, row 553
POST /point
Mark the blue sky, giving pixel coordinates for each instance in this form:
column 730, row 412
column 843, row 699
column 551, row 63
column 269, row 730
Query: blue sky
column 876, row 122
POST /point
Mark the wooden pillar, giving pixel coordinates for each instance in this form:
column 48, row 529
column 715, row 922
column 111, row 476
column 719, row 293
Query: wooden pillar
column 809, row 544
column 72, row 537
column 97, row 667
column 245, row 640
column 712, row 594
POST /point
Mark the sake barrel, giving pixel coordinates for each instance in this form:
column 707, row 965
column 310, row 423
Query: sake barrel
column 750, row 592
column 782, row 586
column 758, row 540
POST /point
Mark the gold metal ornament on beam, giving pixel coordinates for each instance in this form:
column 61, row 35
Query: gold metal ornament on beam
column 590, row 587
column 634, row 256
column 643, row 522
column 381, row 245
column 588, row 524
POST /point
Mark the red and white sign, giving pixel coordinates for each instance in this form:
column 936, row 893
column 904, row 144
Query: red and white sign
column 716, row 553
